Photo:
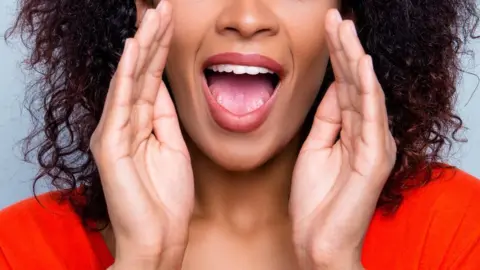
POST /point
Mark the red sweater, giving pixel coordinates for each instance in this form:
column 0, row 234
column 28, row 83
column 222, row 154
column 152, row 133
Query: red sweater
column 436, row 227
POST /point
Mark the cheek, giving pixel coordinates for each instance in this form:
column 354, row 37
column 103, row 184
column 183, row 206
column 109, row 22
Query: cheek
column 310, row 55
column 305, row 27
column 190, row 30
column 308, row 39
column 192, row 19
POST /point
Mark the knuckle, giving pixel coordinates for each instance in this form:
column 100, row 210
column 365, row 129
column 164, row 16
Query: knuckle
column 326, row 119
column 157, row 73
column 380, row 159
column 381, row 93
column 100, row 145
column 93, row 144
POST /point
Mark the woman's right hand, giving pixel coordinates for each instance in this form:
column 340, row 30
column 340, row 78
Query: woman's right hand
column 141, row 156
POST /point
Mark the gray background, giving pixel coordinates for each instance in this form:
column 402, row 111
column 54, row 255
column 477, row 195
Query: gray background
column 15, row 175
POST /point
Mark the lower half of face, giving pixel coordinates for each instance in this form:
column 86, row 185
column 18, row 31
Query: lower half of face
column 244, row 74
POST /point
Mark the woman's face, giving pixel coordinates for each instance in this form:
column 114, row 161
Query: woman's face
column 220, row 66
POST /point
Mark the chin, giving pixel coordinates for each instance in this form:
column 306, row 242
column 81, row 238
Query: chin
column 239, row 154
column 240, row 163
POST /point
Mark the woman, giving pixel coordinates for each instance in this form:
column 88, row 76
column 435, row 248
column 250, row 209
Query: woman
column 283, row 155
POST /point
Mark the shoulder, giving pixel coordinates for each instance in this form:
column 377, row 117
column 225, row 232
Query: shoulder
column 447, row 183
column 437, row 226
column 451, row 198
column 44, row 212
column 40, row 231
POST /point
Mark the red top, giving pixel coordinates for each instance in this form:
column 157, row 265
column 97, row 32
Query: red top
column 436, row 227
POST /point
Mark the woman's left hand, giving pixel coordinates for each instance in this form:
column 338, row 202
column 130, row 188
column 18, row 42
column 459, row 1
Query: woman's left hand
column 337, row 182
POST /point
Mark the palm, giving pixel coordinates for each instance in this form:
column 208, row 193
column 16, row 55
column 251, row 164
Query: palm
column 336, row 182
column 174, row 189
column 162, row 159
column 336, row 160
column 139, row 149
column 166, row 195
column 311, row 190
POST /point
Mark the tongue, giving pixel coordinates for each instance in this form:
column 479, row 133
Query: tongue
column 240, row 94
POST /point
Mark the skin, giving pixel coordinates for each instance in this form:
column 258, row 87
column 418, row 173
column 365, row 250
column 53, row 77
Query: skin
column 200, row 197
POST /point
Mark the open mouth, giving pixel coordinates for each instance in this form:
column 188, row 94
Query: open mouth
column 241, row 89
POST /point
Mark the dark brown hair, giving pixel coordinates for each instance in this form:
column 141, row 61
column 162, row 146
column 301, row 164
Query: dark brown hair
column 75, row 47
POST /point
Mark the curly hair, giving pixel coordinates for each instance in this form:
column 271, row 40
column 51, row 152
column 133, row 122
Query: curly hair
column 76, row 44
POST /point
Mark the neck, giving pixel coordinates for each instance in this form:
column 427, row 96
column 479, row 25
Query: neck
column 246, row 199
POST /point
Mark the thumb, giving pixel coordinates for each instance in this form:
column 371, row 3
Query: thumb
column 327, row 122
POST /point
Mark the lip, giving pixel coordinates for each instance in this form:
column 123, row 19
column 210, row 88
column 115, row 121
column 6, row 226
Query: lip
column 256, row 60
column 247, row 122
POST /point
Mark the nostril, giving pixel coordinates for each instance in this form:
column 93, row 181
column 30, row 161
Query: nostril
column 248, row 32
column 231, row 29
column 247, row 27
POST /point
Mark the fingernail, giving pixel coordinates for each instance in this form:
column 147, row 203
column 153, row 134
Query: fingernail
column 338, row 17
column 164, row 7
column 160, row 4
column 147, row 15
column 127, row 44
column 354, row 30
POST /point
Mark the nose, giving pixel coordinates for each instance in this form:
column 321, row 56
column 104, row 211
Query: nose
column 247, row 19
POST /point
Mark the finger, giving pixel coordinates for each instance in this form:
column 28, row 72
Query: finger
column 371, row 165
column 163, row 10
column 154, row 72
column 340, row 68
column 118, row 106
column 150, row 79
column 145, row 37
column 117, row 110
column 353, row 52
column 337, row 57
column 374, row 112
column 326, row 124
column 165, row 122
column 352, row 48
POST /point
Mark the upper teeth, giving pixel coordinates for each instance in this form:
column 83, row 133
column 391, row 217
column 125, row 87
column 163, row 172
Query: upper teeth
column 237, row 69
